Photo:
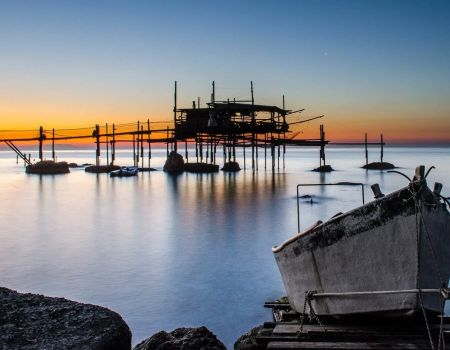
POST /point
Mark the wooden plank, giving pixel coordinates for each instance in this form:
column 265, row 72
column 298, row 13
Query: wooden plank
column 293, row 328
column 343, row 346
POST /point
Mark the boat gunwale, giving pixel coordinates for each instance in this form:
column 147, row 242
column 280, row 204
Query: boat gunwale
column 314, row 227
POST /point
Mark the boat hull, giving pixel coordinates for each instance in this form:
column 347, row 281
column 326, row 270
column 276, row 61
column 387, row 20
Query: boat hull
column 370, row 250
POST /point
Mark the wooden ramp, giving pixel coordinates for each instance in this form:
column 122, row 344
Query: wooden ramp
column 287, row 332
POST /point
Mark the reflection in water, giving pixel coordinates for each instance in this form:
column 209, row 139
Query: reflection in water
column 170, row 251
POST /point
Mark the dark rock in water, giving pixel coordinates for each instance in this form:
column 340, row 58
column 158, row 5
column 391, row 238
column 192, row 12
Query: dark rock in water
column 146, row 169
column 324, row 169
column 31, row 321
column 174, row 163
column 48, row 167
column 201, row 168
column 72, row 165
column 248, row 340
column 101, row 168
column 231, row 166
column 182, row 339
column 379, row 166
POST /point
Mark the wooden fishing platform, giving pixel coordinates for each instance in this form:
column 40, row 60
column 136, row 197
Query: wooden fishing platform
column 356, row 334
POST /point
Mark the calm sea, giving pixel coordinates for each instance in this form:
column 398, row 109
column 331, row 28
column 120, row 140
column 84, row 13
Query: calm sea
column 170, row 251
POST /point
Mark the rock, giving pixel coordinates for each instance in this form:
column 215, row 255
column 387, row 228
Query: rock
column 379, row 166
column 101, row 168
column 201, row 168
column 48, row 167
column 231, row 166
column 324, row 169
column 182, row 339
column 31, row 321
column 248, row 340
column 174, row 163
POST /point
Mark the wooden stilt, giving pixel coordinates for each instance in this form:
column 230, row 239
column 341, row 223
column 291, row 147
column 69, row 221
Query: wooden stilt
column 53, row 145
column 107, row 145
column 41, row 140
column 365, row 147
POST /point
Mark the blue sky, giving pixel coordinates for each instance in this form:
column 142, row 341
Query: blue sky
column 93, row 59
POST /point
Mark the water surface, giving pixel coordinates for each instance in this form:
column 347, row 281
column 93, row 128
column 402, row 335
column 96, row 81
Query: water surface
column 170, row 251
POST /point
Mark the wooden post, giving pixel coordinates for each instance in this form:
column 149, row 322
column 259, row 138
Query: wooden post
column 53, row 145
column 138, row 139
column 284, row 134
column 149, row 143
column 134, row 149
column 243, row 148
column 167, row 143
column 382, row 148
column 97, row 153
column 253, row 126
column 41, row 139
column 265, row 151
column 175, row 117
column 186, row 151
column 113, row 145
column 107, row 146
column 142, row 146
column 367, row 151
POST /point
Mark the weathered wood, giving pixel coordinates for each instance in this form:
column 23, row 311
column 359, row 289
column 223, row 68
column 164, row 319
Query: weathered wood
column 343, row 345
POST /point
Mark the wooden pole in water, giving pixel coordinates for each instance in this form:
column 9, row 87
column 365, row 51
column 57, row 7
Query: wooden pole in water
column 113, row 145
column 196, row 148
column 107, row 146
column 382, row 149
column 167, row 143
column 53, row 145
column 243, row 149
column 367, row 151
column 175, row 117
column 134, row 149
column 97, row 153
column 253, row 126
column 149, row 143
column 138, row 139
column 284, row 135
column 265, row 151
column 142, row 146
column 41, row 139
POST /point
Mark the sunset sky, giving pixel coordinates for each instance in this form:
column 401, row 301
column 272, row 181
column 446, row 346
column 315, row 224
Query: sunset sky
column 375, row 66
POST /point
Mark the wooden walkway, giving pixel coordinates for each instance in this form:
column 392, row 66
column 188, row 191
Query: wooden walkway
column 393, row 334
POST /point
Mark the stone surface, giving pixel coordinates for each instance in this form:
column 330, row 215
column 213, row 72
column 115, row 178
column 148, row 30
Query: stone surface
column 231, row 166
column 31, row 321
column 101, row 168
column 174, row 163
column 379, row 166
column 182, row 339
column 324, row 169
column 248, row 340
column 201, row 168
column 48, row 167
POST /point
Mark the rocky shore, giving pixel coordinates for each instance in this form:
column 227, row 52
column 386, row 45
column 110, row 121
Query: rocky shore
column 32, row 321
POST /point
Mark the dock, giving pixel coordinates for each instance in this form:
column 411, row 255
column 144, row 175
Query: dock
column 287, row 331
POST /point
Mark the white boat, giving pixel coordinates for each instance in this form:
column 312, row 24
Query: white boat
column 388, row 257
column 124, row 172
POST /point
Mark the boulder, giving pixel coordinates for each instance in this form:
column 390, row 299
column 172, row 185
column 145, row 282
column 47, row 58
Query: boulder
column 231, row 166
column 324, row 169
column 379, row 166
column 97, row 169
column 201, row 168
column 31, row 321
column 248, row 340
column 182, row 339
column 48, row 167
column 174, row 163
